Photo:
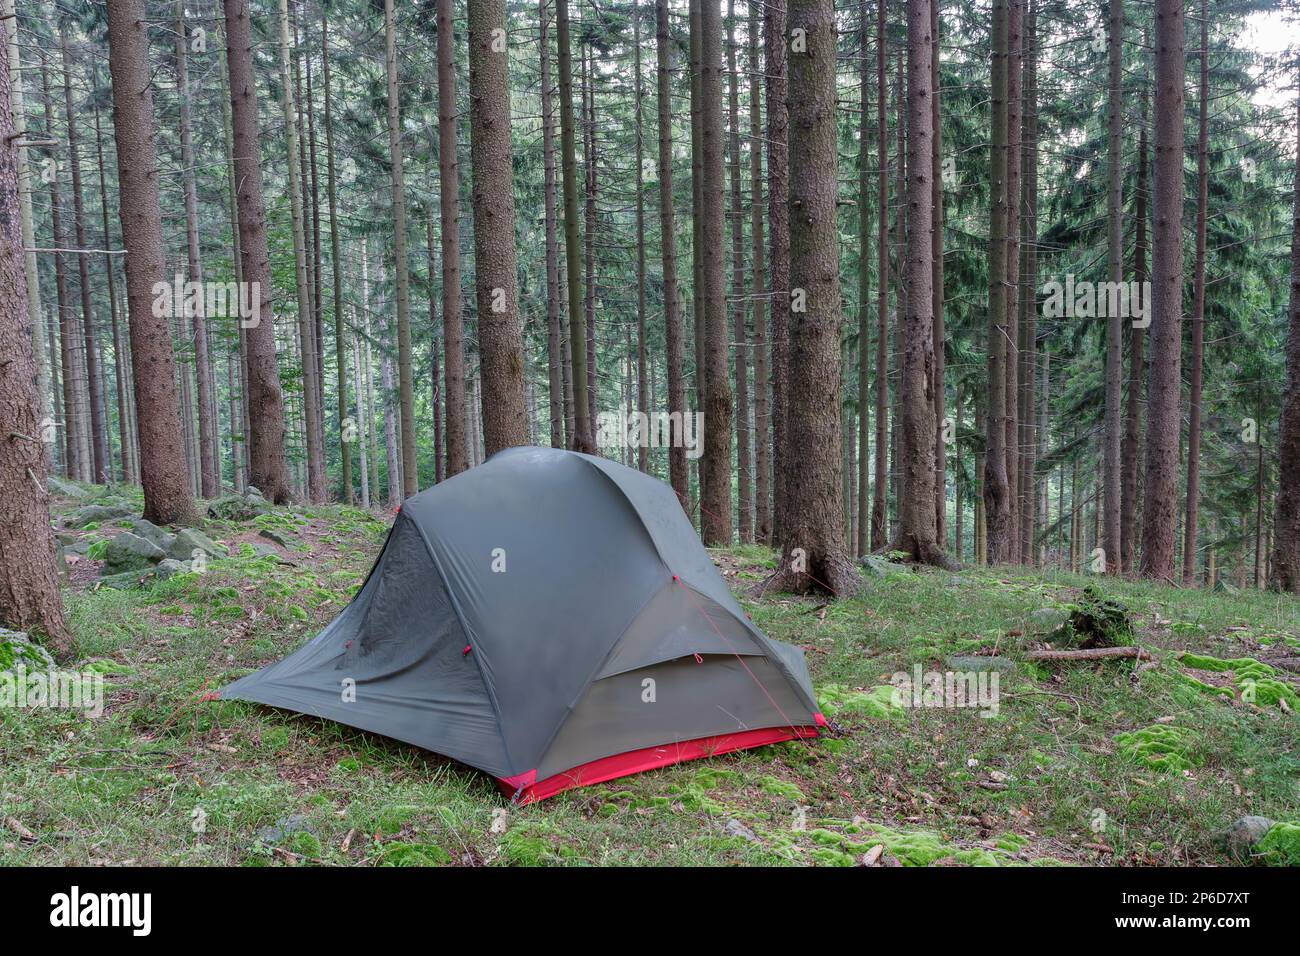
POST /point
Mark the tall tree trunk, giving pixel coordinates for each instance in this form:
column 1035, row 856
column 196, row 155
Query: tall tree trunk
column 813, row 550
column 32, row 276
column 1160, row 503
column 862, row 544
column 210, row 476
column 936, row 185
column 1198, row 314
column 29, row 580
column 74, row 465
column 1028, row 351
column 642, row 383
column 166, row 492
column 435, row 372
column 1137, row 365
column 589, row 237
column 501, row 346
column 266, row 428
column 311, row 411
column 778, row 215
column 1113, row 449
column 554, row 350
column 119, row 370
column 997, row 491
column 715, row 490
column 1015, row 26
column 679, row 477
column 336, row 261
column 918, row 521
column 879, row 502
column 744, row 467
column 453, row 319
column 401, row 278
column 90, row 349
column 1285, row 573
column 582, row 426
column 762, row 374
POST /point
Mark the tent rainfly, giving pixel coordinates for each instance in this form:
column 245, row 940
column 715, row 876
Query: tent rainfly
column 552, row 619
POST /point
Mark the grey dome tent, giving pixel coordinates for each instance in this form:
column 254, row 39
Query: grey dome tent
column 552, row 619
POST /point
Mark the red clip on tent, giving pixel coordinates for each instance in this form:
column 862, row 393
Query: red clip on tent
column 552, row 619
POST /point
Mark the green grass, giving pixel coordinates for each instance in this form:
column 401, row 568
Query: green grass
column 167, row 777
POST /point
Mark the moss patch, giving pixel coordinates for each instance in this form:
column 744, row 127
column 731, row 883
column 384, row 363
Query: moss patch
column 1281, row 845
column 880, row 701
column 1161, row 747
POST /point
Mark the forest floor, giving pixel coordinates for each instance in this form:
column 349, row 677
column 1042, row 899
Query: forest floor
column 168, row 776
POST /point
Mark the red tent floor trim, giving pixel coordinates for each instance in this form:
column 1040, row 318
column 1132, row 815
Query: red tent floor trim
column 526, row 788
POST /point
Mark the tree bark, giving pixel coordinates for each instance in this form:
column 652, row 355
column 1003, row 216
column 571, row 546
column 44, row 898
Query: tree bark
column 678, row 475
column 778, row 216
column 166, row 491
column 918, row 521
column 813, row 550
column 642, row 382
column 209, row 475
column 1137, row 365
column 1285, row 574
column 501, row 347
column 1160, row 506
column 715, row 470
column 997, row 491
column 879, row 500
column 1015, row 26
column 266, row 428
column 402, row 277
column 90, row 349
column 29, row 580
column 554, row 350
column 336, row 260
column 744, row 465
column 762, row 375
column 1028, row 351
column 1195, row 387
column 582, row 426
column 862, row 543
column 453, row 319
column 1113, row 449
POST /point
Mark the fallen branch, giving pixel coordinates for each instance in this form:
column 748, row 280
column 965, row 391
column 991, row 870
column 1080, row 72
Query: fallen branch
column 1092, row 653
column 23, row 833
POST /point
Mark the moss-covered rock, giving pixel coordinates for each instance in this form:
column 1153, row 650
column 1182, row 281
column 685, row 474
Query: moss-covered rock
column 17, row 648
column 1161, row 747
column 1280, row 846
column 130, row 552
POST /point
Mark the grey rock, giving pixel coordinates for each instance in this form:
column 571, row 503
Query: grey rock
column 158, row 537
column 270, row 534
column 81, row 546
column 1242, row 836
column 976, row 662
column 91, row 513
column 17, row 648
column 878, row 567
column 285, row 827
column 130, row 552
column 737, row 829
column 238, row 507
column 170, row 567
column 255, row 492
column 189, row 540
column 124, row 581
